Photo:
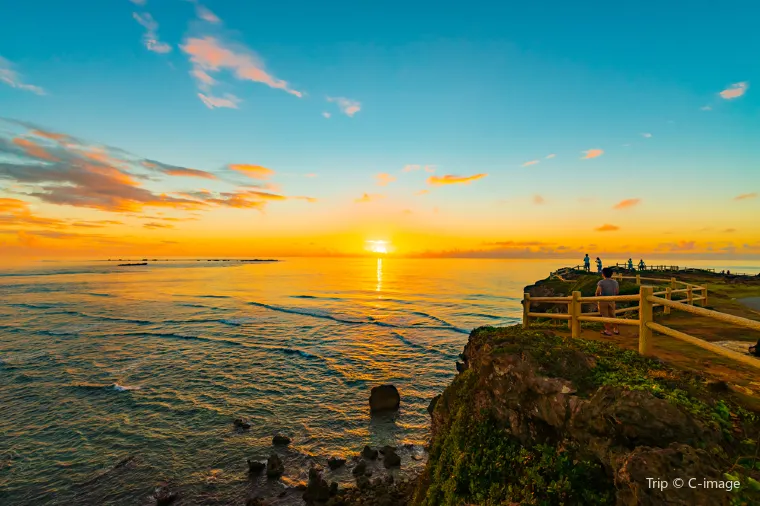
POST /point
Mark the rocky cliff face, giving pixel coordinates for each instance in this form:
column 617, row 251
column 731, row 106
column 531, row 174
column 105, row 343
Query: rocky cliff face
column 534, row 418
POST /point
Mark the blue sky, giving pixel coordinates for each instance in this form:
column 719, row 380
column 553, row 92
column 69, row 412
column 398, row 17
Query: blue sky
column 470, row 87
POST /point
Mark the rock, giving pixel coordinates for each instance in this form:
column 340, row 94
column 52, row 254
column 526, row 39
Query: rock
column 255, row 466
column 369, row 453
column 391, row 458
column 275, row 467
column 333, row 488
column 335, row 462
column 241, row 424
column 255, row 501
column 163, row 495
column 301, row 486
column 317, row 491
column 384, row 398
column 360, row 468
column 461, row 367
column 281, row 440
column 433, row 402
column 362, row 482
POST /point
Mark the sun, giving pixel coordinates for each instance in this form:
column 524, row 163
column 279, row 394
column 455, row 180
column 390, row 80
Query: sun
column 380, row 247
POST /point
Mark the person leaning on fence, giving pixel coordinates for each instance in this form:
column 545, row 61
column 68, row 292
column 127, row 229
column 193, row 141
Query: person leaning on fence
column 642, row 265
column 598, row 265
column 608, row 287
column 587, row 263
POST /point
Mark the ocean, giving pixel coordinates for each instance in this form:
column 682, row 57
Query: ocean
column 113, row 379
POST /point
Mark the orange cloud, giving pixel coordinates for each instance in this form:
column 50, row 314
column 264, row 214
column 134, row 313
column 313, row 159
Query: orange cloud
column 51, row 135
column 593, row 153
column 346, row 105
column 746, row 196
column 538, row 200
column 154, row 225
column 607, row 228
column 13, row 206
column 252, row 171
column 532, row 162
column 430, row 168
column 369, row 197
column 627, row 203
column 33, row 149
column 209, row 54
column 181, row 171
column 422, row 192
column 736, row 90
column 384, row 179
column 411, row 168
column 452, row 179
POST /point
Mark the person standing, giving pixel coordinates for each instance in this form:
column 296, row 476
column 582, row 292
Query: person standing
column 605, row 288
column 598, row 265
column 642, row 265
column 630, row 264
column 587, row 263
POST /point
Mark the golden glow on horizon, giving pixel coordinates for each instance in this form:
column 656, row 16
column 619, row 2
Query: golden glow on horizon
column 380, row 247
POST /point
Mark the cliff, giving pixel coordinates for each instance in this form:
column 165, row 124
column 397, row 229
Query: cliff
column 536, row 418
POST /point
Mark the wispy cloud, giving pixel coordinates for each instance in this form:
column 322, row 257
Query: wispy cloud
column 252, row 171
column 210, row 55
column 205, row 14
column 746, row 196
column 532, row 162
column 593, row 153
column 228, row 101
column 150, row 38
column 538, row 200
column 549, row 157
column 326, row 114
column 736, row 90
column 13, row 79
column 646, row 135
column 157, row 225
column 173, row 170
column 139, row 2
column 607, row 228
column 430, row 168
column 411, row 168
column 453, row 179
column 422, row 192
column 706, row 108
column 384, row 179
column 369, row 197
column 347, row 106
column 627, row 204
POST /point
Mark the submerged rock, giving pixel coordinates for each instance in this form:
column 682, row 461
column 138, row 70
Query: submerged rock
column 335, row 462
column 164, row 496
column 256, row 466
column 275, row 467
column 241, row 423
column 281, row 440
column 384, row 398
column 391, row 458
column 369, row 453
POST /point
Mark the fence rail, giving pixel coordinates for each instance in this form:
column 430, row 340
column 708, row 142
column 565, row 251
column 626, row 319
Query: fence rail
column 648, row 299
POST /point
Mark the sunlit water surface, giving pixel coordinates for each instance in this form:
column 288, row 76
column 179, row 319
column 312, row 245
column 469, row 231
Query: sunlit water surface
column 115, row 378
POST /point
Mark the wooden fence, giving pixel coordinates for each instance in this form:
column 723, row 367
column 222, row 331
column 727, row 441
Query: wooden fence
column 647, row 300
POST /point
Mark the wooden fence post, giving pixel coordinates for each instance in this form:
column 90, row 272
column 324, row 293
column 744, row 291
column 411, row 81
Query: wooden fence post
column 669, row 296
column 704, row 294
column 526, row 310
column 673, row 283
column 638, row 279
column 645, row 316
column 575, row 312
column 690, row 295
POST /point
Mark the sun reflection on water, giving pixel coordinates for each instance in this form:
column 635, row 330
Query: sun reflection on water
column 379, row 275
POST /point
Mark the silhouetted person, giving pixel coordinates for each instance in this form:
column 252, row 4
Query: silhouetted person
column 630, row 264
column 598, row 265
column 605, row 288
column 587, row 263
column 642, row 265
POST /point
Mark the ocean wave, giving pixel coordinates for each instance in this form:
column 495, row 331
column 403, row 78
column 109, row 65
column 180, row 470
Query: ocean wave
column 316, row 297
column 237, row 321
column 301, row 353
column 315, row 313
column 214, row 296
column 124, row 388
column 99, row 294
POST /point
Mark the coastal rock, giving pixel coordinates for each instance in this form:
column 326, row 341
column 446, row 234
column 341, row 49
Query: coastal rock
column 360, row 468
column 255, row 501
column 333, row 488
column 317, row 490
column 369, row 453
column 275, row 467
column 391, row 458
column 362, row 482
column 433, row 402
column 335, row 462
column 460, row 367
column 241, row 424
column 164, row 495
column 384, row 398
column 281, row 440
column 256, row 466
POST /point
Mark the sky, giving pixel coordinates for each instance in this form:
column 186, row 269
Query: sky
column 424, row 129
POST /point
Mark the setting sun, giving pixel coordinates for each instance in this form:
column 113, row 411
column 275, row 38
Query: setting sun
column 377, row 246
